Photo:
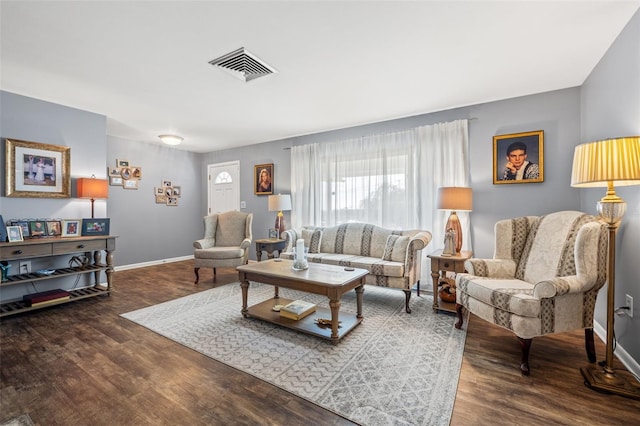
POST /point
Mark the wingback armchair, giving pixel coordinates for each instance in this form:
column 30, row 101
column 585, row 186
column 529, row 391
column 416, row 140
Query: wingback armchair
column 226, row 242
column 544, row 278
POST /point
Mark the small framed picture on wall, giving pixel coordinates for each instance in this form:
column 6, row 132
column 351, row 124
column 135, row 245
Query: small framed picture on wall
column 263, row 179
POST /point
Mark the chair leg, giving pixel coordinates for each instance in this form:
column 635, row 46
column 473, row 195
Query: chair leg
column 214, row 272
column 526, row 346
column 459, row 313
column 407, row 297
column 197, row 275
column 589, row 344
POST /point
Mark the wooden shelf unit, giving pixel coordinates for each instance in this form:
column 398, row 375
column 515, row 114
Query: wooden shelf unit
column 92, row 247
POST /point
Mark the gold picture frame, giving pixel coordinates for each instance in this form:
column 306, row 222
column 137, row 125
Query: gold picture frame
column 518, row 158
column 37, row 170
column 263, row 179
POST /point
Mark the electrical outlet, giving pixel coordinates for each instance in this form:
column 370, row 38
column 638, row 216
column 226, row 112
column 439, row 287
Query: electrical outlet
column 629, row 304
column 25, row 267
column 243, row 204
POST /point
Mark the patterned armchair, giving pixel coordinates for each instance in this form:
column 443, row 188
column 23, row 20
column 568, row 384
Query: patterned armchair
column 544, row 278
column 226, row 242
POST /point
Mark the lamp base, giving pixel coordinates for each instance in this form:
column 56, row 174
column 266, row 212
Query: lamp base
column 280, row 226
column 598, row 379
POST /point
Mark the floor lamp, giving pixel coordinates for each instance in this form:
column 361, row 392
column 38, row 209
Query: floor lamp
column 605, row 163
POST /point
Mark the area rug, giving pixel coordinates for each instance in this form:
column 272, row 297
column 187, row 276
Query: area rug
column 393, row 369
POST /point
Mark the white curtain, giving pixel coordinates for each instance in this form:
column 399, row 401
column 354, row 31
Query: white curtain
column 390, row 180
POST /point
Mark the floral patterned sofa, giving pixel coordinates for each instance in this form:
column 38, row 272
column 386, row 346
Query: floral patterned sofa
column 392, row 257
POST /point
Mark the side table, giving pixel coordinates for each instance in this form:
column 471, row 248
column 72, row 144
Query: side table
column 270, row 245
column 440, row 263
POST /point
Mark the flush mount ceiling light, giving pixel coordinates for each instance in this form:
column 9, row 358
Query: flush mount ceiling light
column 171, row 139
column 243, row 65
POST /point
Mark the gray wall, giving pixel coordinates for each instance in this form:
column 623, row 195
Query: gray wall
column 34, row 120
column 148, row 232
column 610, row 108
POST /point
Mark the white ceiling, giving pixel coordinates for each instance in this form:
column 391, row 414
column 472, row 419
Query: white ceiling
column 340, row 64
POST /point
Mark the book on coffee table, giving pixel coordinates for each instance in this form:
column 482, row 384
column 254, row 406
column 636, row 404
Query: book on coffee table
column 297, row 309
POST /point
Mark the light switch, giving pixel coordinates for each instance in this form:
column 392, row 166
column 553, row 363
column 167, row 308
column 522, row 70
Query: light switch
column 243, row 204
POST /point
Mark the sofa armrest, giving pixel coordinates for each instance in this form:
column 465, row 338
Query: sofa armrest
column 560, row 286
column 246, row 243
column 290, row 236
column 494, row 268
column 413, row 260
column 205, row 243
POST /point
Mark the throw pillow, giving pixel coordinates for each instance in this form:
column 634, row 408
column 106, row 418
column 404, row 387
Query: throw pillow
column 312, row 239
column 396, row 248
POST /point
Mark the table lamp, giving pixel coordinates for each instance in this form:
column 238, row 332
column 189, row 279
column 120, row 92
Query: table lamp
column 92, row 188
column 605, row 163
column 455, row 198
column 279, row 203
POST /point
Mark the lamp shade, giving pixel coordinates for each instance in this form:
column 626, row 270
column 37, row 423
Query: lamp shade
column 455, row 198
column 280, row 202
column 610, row 161
column 92, row 188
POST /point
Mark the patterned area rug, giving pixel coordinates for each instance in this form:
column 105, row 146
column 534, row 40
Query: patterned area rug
column 393, row 369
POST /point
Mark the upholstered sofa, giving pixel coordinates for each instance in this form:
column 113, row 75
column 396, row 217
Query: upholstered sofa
column 392, row 257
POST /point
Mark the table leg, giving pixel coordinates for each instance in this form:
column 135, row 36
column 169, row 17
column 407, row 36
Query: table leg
column 275, row 292
column 109, row 271
column 335, row 319
column 359, row 293
column 435, row 275
column 244, row 284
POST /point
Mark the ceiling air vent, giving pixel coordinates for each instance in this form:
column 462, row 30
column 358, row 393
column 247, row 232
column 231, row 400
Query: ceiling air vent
column 243, row 65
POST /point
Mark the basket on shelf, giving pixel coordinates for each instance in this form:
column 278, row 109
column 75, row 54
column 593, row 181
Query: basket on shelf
column 447, row 290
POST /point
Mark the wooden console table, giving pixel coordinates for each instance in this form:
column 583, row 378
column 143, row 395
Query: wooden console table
column 91, row 247
column 440, row 263
column 270, row 245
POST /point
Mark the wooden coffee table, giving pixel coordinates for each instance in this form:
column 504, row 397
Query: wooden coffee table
column 331, row 281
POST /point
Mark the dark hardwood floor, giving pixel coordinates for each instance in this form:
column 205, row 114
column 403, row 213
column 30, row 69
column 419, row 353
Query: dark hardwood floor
column 82, row 364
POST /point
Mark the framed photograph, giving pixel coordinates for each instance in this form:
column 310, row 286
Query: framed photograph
column 172, row 201
column 177, row 191
column 130, row 184
column 125, row 172
column 113, row 171
column 122, row 163
column 37, row 170
column 115, row 180
column 14, row 233
column 70, row 228
column 518, row 158
column 53, row 228
column 159, row 190
column 263, row 179
column 166, row 182
column 136, row 172
column 24, row 225
column 161, row 199
column 97, row 226
column 273, row 233
column 38, row 228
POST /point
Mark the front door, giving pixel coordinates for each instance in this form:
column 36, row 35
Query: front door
column 224, row 187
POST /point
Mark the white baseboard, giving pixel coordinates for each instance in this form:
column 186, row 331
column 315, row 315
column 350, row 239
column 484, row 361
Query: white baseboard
column 623, row 356
column 152, row 263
